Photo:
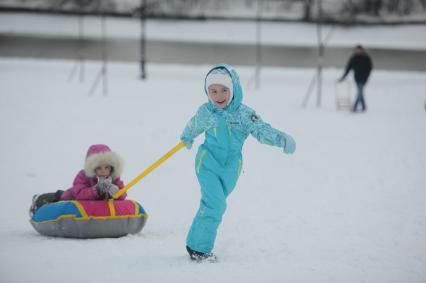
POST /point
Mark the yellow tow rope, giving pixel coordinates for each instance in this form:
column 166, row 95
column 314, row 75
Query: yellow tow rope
column 149, row 169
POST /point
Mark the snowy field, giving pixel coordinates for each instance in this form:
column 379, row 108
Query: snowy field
column 348, row 206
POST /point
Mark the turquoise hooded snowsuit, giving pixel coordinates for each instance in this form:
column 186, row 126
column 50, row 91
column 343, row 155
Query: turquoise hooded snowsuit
column 218, row 162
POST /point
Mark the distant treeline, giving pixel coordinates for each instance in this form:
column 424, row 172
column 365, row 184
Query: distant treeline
column 338, row 11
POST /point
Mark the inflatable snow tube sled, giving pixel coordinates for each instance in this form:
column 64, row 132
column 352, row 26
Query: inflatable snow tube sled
column 88, row 219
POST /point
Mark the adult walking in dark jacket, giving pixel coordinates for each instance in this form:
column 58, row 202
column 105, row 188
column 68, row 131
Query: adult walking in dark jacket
column 360, row 62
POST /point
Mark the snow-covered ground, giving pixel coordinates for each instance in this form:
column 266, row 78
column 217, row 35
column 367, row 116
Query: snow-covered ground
column 348, row 206
column 297, row 34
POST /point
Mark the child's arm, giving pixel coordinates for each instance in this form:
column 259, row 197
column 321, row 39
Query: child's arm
column 264, row 133
column 81, row 189
column 201, row 122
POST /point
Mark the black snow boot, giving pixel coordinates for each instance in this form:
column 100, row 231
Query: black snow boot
column 201, row 257
column 40, row 200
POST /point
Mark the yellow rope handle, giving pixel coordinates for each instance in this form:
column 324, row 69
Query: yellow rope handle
column 149, row 169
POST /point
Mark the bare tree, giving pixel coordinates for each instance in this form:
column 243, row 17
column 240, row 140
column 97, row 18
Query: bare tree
column 307, row 10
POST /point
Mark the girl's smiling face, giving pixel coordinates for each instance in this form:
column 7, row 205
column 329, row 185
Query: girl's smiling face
column 219, row 95
column 103, row 171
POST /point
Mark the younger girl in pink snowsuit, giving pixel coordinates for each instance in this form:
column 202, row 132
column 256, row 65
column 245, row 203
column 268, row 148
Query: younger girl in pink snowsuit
column 99, row 180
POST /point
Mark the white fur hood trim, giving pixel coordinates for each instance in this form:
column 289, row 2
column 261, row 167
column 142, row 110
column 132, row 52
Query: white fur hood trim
column 104, row 158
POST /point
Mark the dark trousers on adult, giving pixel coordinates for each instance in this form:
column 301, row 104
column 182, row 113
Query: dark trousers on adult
column 359, row 97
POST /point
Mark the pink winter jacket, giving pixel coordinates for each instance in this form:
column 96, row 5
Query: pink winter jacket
column 84, row 188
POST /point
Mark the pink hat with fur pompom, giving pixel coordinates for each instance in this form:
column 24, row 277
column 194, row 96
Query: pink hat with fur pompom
column 101, row 154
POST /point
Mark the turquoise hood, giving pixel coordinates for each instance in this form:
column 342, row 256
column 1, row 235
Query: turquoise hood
column 237, row 90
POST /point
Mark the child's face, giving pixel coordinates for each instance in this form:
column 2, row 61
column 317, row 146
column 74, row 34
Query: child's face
column 219, row 95
column 103, row 171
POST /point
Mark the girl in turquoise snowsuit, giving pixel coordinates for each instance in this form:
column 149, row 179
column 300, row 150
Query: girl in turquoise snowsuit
column 226, row 123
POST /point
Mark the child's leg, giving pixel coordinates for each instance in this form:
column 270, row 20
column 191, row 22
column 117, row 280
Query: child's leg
column 230, row 176
column 48, row 198
column 202, row 235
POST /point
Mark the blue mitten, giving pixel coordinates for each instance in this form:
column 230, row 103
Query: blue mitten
column 289, row 144
column 188, row 144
